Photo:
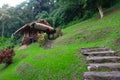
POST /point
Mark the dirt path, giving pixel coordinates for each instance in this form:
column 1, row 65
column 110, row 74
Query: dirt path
column 22, row 47
column 49, row 44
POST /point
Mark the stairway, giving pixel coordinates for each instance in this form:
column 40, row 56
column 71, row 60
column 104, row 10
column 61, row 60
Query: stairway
column 103, row 64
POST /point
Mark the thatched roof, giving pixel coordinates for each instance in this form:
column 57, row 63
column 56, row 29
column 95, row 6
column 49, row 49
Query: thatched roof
column 40, row 25
column 22, row 28
column 43, row 21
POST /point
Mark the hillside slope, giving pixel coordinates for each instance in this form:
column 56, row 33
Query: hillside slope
column 94, row 32
column 64, row 61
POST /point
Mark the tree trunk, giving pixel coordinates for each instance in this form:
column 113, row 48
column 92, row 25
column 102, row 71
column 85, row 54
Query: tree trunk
column 3, row 25
column 100, row 11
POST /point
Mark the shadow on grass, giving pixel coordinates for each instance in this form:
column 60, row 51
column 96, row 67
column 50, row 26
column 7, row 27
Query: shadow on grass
column 4, row 67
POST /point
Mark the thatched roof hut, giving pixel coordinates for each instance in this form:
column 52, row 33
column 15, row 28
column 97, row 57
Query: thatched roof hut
column 29, row 31
column 37, row 25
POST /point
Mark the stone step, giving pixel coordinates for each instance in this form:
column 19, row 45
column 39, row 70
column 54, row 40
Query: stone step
column 104, row 66
column 103, row 59
column 115, row 75
column 94, row 49
column 100, row 53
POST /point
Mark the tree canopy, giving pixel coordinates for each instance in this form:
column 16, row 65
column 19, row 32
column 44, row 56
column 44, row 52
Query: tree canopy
column 56, row 12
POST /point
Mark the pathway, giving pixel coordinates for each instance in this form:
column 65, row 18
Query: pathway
column 104, row 64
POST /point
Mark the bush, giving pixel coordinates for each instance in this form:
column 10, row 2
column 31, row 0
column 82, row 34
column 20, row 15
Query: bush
column 6, row 42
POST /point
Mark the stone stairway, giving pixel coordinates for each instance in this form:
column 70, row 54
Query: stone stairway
column 104, row 65
column 103, row 59
column 100, row 53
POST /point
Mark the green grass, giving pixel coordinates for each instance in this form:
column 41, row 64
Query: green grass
column 35, row 63
column 64, row 61
column 94, row 32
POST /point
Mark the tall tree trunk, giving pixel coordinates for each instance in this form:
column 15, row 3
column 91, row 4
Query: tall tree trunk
column 3, row 25
column 100, row 11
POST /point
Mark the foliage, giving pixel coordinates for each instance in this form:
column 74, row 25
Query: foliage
column 6, row 56
column 57, row 12
column 64, row 61
column 42, row 15
column 6, row 42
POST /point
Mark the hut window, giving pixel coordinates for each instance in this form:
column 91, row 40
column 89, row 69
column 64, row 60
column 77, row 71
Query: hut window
column 26, row 34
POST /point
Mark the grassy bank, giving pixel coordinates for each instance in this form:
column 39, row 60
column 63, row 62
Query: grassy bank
column 64, row 61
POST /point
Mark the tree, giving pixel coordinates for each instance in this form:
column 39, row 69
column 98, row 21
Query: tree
column 99, row 4
column 4, row 18
column 42, row 15
column 40, row 5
